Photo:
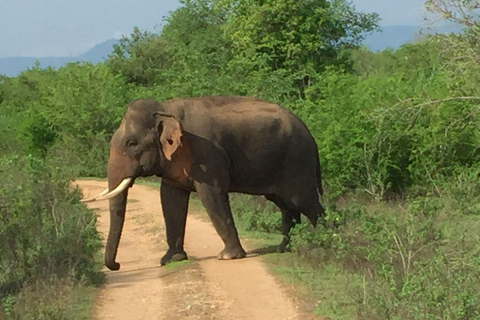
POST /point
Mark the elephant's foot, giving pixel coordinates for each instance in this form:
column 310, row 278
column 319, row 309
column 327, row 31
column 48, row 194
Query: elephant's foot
column 114, row 266
column 173, row 256
column 282, row 247
column 229, row 254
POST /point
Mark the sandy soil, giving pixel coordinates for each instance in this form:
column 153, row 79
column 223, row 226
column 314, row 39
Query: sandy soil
column 202, row 288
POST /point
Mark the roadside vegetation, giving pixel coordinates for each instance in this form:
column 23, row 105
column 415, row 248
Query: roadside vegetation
column 398, row 135
column 48, row 243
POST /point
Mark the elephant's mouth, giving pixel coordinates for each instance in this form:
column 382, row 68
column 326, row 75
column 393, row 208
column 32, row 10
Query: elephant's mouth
column 105, row 194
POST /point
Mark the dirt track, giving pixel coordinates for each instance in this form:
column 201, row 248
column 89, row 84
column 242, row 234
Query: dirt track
column 203, row 288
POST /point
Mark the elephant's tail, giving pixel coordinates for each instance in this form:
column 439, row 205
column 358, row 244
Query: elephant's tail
column 319, row 176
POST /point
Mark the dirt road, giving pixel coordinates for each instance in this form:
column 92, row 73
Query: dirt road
column 202, row 288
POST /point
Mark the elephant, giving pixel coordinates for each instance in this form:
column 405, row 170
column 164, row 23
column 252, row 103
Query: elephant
column 212, row 146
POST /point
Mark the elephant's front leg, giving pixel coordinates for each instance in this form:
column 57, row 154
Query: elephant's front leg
column 217, row 205
column 175, row 208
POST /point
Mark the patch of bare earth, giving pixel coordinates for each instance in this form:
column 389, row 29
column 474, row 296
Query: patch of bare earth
column 202, row 288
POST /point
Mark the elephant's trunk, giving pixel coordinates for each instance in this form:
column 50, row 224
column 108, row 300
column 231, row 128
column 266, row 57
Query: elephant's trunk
column 116, row 173
column 117, row 218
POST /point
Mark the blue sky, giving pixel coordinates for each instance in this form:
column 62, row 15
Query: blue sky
column 394, row 12
column 69, row 27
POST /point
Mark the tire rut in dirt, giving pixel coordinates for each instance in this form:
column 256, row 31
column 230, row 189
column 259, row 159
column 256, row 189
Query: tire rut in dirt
column 187, row 296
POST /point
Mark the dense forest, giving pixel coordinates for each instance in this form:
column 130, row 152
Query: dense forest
column 398, row 135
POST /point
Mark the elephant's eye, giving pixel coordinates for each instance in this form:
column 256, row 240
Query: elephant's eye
column 132, row 143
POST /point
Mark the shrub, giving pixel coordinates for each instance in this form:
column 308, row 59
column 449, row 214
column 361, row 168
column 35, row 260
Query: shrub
column 51, row 298
column 419, row 259
column 255, row 213
column 44, row 228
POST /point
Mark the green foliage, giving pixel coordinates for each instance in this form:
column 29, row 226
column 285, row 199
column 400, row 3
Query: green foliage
column 254, row 213
column 187, row 59
column 391, row 128
column 299, row 38
column 69, row 114
column 213, row 47
column 418, row 260
column 45, row 230
column 332, row 288
column 462, row 12
column 52, row 298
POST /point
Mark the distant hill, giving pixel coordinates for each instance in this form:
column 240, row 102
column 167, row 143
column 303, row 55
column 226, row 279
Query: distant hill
column 395, row 36
column 12, row 66
column 390, row 37
column 100, row 52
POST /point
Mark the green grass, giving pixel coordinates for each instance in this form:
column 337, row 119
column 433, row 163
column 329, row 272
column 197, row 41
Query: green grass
column 355, row 270
column 53, row 299
column 325, row 291
column 179, row 265
column 328, row 289
column 151, row 181
column 91, row 178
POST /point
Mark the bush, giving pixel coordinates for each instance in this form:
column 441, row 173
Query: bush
column 419, row 259
column 51, row 298
column 255, row 213
column 70, row 114
column 44, row 228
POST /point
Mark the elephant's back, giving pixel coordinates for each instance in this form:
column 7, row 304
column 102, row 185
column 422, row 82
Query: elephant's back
column 246, row 122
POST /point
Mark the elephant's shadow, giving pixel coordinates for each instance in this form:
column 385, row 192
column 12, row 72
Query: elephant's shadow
column 262, row 251
column 250, row 253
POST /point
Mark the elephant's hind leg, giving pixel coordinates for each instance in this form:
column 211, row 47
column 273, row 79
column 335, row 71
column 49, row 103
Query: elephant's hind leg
column 313, row 210
column 289, row 218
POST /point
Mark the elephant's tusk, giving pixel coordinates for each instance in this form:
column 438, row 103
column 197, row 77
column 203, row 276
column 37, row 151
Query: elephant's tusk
column 93, row 199
column 108, row 195
column 103, row 192
column 119, row 189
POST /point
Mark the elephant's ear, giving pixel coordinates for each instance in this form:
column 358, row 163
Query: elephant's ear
column 170, row 135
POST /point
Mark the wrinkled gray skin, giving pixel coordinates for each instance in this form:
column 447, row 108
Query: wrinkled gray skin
column 227, row 144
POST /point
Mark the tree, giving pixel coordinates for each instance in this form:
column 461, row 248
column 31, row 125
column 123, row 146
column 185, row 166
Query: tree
column 242, row 46
column 461, row 52
column 300, row 37
column 463, row 12
column 190, row 49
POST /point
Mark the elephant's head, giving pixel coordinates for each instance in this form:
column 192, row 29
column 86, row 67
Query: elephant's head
column 145, row 140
